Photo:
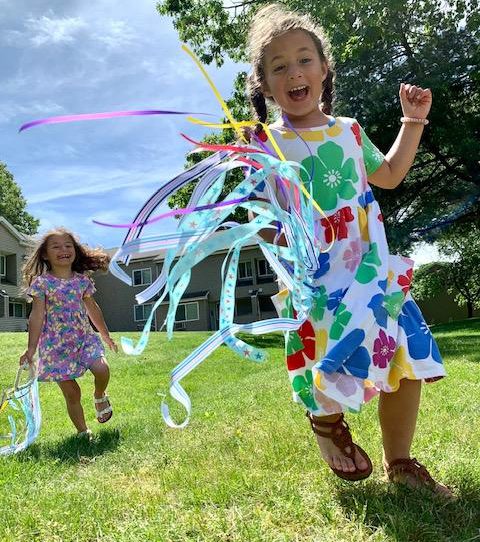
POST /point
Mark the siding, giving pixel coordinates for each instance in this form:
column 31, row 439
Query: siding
column 14, row 251
column 117, row 299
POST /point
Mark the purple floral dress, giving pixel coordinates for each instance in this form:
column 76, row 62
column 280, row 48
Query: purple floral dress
column 68, row 345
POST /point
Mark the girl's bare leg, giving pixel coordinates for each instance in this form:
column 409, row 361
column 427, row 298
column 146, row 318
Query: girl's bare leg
column 101, row 373
column 72, row 393
column 397, row 412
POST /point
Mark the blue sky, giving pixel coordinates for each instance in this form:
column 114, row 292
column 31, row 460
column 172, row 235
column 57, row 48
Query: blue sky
column 72, row 56
column 65, row 56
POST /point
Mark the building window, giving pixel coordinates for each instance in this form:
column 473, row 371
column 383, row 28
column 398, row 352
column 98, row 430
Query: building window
column 186, row 312
column 265, row 303
column 142, row 277
column 243, row 306
column 245, row 270
column 264, row 269
column 15, row 310
column 3, row 265
column 142, row 312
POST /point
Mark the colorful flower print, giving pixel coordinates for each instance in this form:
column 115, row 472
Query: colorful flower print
column 379, row 311
column 383, row 349
column 333, row 178
column 356, row 132
column 363, row 224
column 335, row 299
column 399, row 368
column 358, row 363
column 301, row 344
column 302, row 386
column 342, row 317
column 366, row 198
column 323, row 265
column 394, row 303
column 320, row 301
column 353, row 255
column 321, row 339
column 366, row 271
column 345, row 384
column 344, row 351
column 421, row 343
column 336, row 225
column 405, row 280
column 328, row 405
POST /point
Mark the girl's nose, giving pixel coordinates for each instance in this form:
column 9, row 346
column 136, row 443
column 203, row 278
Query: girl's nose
column 295, row 73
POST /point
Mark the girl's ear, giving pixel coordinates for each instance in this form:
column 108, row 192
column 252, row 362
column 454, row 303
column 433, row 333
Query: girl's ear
column 325, row 69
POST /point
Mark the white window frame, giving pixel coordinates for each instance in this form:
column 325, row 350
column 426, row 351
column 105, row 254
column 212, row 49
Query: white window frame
column 189, row 319
column 149, row 269
column 3, row 259
column 246, row 277
column 267, row 266
column 143, row 312
column 13, row 303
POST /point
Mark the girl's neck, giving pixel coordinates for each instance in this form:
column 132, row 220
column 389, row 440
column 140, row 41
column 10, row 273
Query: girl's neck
column 61, row 272
column 318, row 118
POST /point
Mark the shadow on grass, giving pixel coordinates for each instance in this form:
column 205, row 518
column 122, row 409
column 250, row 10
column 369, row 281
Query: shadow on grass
column 414, row 516
column 460, row 346
column 74, row 449
column 472, row 324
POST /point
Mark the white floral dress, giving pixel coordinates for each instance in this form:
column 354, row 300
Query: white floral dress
column 365, row 332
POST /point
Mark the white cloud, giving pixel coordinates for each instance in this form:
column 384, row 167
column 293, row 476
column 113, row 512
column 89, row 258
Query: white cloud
column 46, row 29
column 11, row 110
column 115, row 34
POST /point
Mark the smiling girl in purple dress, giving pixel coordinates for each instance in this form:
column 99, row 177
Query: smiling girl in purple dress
column 61, row 290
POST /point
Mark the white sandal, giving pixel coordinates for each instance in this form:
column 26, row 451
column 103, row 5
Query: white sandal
column 106, row 410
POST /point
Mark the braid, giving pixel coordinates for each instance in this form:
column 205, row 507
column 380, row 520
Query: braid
column 328, row 94
column 257, row 102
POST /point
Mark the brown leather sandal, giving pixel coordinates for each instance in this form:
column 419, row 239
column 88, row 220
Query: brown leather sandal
column 340, row 435
column 412, row 473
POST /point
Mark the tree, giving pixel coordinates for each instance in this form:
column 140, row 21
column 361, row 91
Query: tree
column 378, row 44
column 459, row 277
column 12, row 204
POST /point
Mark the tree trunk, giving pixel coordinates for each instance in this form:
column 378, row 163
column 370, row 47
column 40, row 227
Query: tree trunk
column 469, row 309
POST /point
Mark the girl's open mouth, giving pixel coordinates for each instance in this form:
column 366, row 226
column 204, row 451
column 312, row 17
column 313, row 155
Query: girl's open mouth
column 299, row 93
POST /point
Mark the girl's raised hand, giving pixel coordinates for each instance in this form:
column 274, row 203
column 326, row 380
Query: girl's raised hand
column 415, row 101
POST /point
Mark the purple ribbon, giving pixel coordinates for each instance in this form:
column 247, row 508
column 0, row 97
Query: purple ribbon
column 108, row 115
column 185, row 211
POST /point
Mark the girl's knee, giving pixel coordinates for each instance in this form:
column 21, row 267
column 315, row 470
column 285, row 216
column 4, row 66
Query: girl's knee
column 100, row 367
column 71, row 391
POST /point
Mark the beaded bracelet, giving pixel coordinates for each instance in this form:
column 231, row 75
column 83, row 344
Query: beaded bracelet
column 404, row 120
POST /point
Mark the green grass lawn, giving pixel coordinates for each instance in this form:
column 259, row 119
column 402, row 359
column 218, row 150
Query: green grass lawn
column 247, row 467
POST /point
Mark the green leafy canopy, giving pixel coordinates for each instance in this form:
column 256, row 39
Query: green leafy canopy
column 377, row 44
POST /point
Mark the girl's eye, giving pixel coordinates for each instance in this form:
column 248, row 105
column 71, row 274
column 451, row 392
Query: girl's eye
column 305, row 60
column 278, row 69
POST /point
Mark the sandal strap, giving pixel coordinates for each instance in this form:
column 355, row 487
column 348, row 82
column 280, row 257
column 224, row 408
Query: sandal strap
column 339, row 433
column 103, row 399
column 409, row 466
column 106, row 410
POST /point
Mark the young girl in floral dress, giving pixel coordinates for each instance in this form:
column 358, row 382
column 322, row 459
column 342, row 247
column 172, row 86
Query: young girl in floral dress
column 365, row 335
column 57, row 277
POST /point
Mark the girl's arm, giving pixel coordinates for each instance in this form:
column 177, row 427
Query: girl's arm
column 416, row 103
column 95, row 314
column 35, row 324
